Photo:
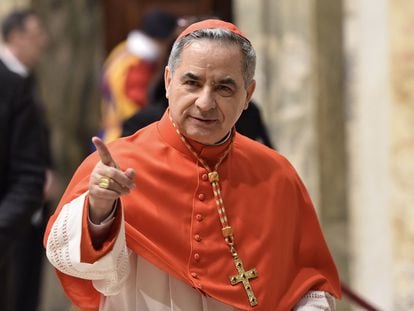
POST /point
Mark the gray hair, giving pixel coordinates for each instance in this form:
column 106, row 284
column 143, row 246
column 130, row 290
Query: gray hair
column 222, row 35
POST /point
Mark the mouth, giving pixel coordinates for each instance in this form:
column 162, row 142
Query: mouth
column 204, row 120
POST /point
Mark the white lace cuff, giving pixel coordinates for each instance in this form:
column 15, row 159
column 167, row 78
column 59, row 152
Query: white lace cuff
column 316, row 301
column 63, row 251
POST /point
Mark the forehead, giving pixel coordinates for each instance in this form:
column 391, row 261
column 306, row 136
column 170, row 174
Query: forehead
column 33, row 23
column 213, row 55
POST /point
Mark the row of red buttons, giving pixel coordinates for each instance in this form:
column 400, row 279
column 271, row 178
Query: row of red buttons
column 197, row 285
column 197, row 237
column 196, row 256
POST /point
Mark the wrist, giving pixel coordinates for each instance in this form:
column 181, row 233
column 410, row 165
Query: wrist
column 100, row 212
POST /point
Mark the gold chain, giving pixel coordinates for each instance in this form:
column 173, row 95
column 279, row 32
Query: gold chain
column 227, row 231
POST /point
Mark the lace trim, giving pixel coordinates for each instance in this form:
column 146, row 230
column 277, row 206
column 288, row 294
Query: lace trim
column 63, row 251
column 316, row 300
column 56, row 250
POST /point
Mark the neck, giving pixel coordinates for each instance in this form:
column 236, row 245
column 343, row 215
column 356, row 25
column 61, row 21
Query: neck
column 15, row 52
column 223, row 140
column 210, row 164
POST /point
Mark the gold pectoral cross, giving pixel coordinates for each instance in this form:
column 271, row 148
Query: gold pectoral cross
column 244, row 277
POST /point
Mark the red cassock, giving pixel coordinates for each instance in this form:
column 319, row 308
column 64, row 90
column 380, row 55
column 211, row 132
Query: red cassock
column 171, row 215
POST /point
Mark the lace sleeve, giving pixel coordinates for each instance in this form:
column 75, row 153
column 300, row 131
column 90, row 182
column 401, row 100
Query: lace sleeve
column 63, row 251
column 315, row 301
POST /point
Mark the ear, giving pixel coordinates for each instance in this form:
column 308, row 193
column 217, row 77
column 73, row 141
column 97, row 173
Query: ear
column 167, row 80
column 249, row 93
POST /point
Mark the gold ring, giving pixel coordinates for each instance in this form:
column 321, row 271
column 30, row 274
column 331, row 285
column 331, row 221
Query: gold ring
column 103, row 182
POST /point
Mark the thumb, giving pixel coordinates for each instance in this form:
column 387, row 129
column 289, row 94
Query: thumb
column 130, row 173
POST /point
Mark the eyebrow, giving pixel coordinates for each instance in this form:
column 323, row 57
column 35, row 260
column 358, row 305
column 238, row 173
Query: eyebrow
column 228, row 81
column 191, row 76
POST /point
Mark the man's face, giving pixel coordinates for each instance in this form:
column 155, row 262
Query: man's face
column 207, row 93
column 31, row 41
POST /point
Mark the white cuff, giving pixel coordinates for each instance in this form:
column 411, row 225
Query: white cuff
column 316, row 301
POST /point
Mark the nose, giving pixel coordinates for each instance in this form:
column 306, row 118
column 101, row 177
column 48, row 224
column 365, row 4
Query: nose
column 205, row 101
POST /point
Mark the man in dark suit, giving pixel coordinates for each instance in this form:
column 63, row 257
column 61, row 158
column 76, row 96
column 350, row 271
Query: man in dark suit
column 22, row 142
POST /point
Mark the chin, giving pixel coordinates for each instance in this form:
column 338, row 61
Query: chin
column 204, row 135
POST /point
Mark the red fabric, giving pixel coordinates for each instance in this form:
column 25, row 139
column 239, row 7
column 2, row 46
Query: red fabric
column 275, row 226
column 211, row 23
column 137, row 82
column 88, row 253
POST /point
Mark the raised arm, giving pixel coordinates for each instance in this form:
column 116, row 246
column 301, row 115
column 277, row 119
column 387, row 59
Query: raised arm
column 94, row 189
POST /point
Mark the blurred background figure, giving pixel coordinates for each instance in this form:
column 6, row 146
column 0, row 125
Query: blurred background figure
column 25, row 153
column 251, row 124
column 130, row 68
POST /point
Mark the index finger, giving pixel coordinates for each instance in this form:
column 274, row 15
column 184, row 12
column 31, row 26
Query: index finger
column 103, row 151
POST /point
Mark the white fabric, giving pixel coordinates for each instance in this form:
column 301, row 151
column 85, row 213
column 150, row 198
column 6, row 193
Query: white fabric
column 142, row 46
column 63, row 251
column 314, row 301
column 129, row 282
column 13, row 63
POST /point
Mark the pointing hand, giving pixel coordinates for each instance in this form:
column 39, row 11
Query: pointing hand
column 107, row 183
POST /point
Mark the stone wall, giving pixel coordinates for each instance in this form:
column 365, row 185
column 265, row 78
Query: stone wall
column 368, row 131
column 300, row 88
column 281, row 34
column 402, row 149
